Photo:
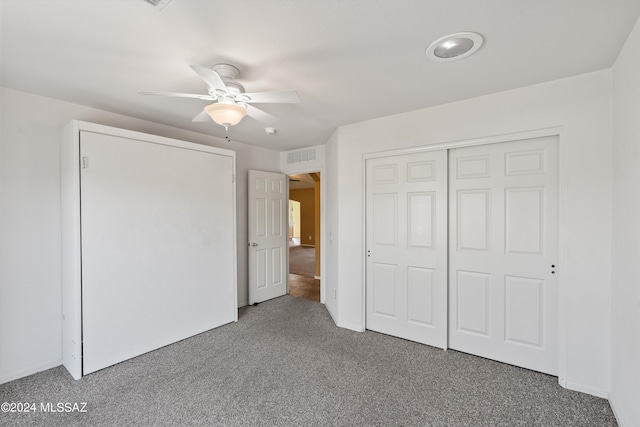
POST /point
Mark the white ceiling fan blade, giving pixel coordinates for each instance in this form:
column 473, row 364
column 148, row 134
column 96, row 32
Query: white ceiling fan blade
column 273, row 97
column 261, row 116
column 177, row 95
column 202, row 117
column 210, row 77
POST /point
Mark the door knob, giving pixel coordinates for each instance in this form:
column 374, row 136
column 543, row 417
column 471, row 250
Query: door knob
column 254, row 244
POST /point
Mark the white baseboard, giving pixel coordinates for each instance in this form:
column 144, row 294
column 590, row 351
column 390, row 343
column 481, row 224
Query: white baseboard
column 30, row 371
column 343, row 325
column 583, row 388
column 622, row 417
column 243, row 303
column 350, row 327
column 331, row 314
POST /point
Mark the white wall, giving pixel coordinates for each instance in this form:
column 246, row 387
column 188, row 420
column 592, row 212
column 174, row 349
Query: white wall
column 625, row 340
column 330, row 231
column 582, row 106
column 30, row 286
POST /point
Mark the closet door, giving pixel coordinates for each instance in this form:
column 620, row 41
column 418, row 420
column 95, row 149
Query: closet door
column 157, row 246
column 406, row 231
column 503, row 225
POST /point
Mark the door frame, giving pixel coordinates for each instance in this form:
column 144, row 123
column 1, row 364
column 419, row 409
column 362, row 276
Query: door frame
column 563, row 298
column 323, row 197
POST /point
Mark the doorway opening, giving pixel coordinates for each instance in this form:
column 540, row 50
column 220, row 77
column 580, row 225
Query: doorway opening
column 294, row 223
column 304, row 236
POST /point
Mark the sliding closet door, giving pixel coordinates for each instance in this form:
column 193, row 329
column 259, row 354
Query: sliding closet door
column 406, row 231
column 157, row 246
column 504, row 252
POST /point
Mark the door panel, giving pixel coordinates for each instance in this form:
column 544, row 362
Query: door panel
column 472, row 302
column 407, row 246
column 473, row 216
column 385, row 207
column 384, row 290
column 267, row 236
column 421, row 219
column 504, row 220
column 524, row 216
column 524, row 301
column 277, row 259
column 420, row 288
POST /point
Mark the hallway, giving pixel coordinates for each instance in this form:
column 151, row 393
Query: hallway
column 302, row 281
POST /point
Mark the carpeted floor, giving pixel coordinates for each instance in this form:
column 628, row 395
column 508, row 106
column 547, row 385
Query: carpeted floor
column 285, row 363
column 302, row 260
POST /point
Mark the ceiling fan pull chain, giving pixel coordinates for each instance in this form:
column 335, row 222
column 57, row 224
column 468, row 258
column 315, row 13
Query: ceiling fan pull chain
column 226, row 132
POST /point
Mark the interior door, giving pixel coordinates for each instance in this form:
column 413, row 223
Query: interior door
column 406, row 231
column 268, row 244
column 504, row 252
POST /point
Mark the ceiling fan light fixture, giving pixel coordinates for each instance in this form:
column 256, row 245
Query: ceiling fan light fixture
column 226, row 114
column 454, row 46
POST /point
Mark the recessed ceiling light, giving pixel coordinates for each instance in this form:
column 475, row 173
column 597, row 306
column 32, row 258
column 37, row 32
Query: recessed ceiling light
column 454, row 46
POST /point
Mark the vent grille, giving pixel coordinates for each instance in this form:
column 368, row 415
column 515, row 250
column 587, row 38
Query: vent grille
column 301, row 156
column 159, row 4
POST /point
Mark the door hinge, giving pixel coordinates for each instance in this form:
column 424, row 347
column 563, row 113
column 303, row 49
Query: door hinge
column 233, row 177
column 85, row 163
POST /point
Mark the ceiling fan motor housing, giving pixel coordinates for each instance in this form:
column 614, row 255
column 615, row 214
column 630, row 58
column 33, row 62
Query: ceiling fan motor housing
column 227, row 73
column 233, row 86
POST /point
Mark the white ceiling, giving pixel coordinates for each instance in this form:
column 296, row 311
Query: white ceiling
column 350, row 60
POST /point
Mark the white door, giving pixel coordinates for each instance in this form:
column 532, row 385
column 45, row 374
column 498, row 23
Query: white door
column 268, row 244
column 503, row 225
column 406, row 223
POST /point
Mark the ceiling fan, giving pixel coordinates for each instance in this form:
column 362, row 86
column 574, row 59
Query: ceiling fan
column 230, row 102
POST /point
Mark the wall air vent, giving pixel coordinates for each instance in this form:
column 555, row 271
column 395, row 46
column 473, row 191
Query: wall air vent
column 301, row 156
column 159, row 4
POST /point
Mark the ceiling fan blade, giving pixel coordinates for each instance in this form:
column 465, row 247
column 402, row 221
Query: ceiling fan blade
column 210, row 77
column 261, row 116
column 177, row 95
column 273, row 97
column 202, row 117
